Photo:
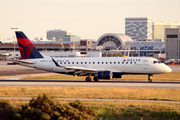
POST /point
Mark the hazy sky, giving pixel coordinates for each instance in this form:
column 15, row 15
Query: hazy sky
column 86, row 18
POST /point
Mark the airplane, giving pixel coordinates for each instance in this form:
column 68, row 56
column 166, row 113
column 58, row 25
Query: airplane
column 96, row 67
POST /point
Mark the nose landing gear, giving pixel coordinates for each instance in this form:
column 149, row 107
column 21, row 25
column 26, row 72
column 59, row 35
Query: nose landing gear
column 149, row 77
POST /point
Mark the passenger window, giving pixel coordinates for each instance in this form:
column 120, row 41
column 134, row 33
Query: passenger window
column 110, row 62
column 81, row 62
column 93, row 62
column 106, row 62
column 154, row 62
column 85, row 62
column 68, row 62
column 60, row 62
column 72, row 62
column 122, row 62
column 130, row 62
column 89, row 62
column 118, row 62
column 114, row 62
column 126, row 62
column 76, row 62
column 98, row 62
column 102, row 62
column 64, row 62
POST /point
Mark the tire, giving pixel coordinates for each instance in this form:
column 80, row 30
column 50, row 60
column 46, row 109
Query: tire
column 88, row 79
column 96, row 79
column 149, row 80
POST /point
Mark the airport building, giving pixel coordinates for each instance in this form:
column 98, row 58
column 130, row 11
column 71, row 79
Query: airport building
column 121, row 43
column 139, row 28
column 71, row 38
column 159, row 29
column 109, row 44
column 111, row 41
column 172, row 38
column 57, row 34
column 55, row 46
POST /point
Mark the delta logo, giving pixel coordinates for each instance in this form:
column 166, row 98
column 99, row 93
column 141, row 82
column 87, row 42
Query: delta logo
column 131, row 60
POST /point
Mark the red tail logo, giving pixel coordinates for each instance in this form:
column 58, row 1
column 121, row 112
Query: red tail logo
column 26, row 48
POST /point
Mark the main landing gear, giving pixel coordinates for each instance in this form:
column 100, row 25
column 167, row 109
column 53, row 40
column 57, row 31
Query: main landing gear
column 96, row 79
column 89, row 79
column 149, row 77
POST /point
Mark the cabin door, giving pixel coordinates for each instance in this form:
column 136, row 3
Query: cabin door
column 145, row 64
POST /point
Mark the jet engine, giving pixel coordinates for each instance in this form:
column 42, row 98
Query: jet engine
column 105, row 74
column 117, row 75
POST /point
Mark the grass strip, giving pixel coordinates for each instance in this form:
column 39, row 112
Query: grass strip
column 173, row 76
column 92, row 92
column 125, row 110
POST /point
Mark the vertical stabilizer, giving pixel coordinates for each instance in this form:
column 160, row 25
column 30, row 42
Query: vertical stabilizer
column 26, row 48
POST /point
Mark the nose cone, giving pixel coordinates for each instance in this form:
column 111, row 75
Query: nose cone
column 167, row 69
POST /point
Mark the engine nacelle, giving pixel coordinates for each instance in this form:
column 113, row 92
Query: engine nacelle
column 117, row 75
column 105, row 74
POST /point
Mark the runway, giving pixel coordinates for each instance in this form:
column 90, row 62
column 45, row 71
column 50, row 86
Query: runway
column 82, row 83
column 11, row 75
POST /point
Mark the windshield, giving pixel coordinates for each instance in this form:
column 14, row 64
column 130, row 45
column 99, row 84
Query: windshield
column 156, row 62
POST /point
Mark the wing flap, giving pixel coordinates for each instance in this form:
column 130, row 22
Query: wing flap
column 79, row 68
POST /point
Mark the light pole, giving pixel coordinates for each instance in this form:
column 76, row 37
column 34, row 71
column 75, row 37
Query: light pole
column 14, row 40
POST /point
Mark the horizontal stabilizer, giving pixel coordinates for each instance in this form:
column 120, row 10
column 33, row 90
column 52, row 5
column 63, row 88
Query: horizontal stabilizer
column 23, row 61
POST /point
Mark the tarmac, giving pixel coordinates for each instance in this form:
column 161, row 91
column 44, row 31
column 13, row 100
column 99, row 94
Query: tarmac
column 17, row 72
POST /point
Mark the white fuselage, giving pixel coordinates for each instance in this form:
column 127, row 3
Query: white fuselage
column 123, row 65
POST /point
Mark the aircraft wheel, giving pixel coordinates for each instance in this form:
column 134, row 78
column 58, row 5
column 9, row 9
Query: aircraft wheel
column 88, row 79
column 149, row 78
column 96, row 79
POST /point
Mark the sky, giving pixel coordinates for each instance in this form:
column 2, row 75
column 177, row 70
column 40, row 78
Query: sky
column 88, row 19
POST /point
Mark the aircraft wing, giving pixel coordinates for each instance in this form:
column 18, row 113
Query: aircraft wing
column 23, row 61
column 77, row 70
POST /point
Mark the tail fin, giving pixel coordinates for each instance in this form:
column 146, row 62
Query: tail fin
column 26, row 48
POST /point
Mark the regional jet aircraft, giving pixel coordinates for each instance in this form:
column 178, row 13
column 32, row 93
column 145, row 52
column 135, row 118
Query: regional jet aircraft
column 96, row 67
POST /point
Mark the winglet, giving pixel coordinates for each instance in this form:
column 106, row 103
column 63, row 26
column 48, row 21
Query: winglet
column 56, row 63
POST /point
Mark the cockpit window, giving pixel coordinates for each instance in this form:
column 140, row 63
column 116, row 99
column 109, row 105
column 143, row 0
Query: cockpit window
column 155, row 62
